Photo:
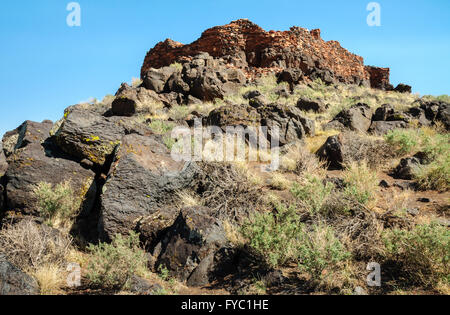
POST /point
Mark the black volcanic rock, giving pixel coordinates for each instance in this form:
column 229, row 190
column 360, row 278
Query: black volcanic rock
column 36, row 159
column 140, row 188
column 14, row 281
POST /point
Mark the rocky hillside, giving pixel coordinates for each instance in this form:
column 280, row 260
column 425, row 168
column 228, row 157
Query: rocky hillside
column 363, row 176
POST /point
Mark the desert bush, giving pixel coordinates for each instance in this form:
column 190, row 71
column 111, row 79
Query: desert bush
column 301, row 161
column 426, row 140
column 403, row 140
column 434, row 146
column 320, row 251
column 423, row 253
column 111, row 265
column 179, row 112
column 29, row 245
column 228, row 191
column 279, row 182
column 361, row 183
column 57, row 202
column 435, row 176
column 273, row 236
column 160, row 126
column 312, row 194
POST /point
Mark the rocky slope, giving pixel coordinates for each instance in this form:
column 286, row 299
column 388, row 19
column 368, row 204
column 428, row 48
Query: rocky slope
column 109, row 171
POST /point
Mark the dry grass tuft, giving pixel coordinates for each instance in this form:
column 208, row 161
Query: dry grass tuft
column 301, row 161
column 279, row 182
column 187, row 199
column 51, row 279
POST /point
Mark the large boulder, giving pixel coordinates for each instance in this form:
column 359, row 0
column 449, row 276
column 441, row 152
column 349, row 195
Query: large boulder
column 210, row 78
column 234, row 115
column 407, row 168
column 331, row 152
column 290, row 122
column 85, row 134
column 291, row 77
column 190, row 245
column 347, row 147
column 403, row 88
column 380, row 128
column 203, row 77
column 156, row 79
column 14, row 281
column 140, row 188
column 388, row 113
column 356, row 118
column 130, row 101
column 307, row 104
column 36, row 159
column 436, row 111
column 419, row 114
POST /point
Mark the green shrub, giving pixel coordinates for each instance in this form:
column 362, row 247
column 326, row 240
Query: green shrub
column 422, row 252
column 111, row 265
column 435, row 176
column 436, row 148
column 404, row 141
column 164, row 273
column 273, row 237
column 169, row 142
column 312, row 194
column 179, row 112
column 56, row 202
column 436, row 145
column 320, row 251
column 161, row 127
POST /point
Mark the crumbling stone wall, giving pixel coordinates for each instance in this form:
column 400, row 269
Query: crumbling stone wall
column 249, row 47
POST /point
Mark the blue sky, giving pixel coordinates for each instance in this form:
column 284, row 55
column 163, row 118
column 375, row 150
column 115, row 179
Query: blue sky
column 47, row 66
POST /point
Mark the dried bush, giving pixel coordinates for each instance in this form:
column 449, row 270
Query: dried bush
column 435, row 176
column 51, row 278
column 301, row 161
column 361, row 232
column 227, row 191
column 357, row 148
column 29, row 245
